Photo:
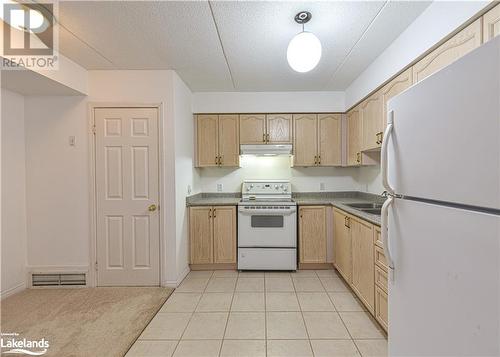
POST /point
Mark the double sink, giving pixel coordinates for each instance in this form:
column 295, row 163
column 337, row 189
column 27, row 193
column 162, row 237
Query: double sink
column 367, row 207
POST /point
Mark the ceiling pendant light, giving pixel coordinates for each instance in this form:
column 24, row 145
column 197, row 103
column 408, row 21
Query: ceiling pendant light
column 304, row 50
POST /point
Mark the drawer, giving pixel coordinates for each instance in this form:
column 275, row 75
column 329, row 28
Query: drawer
column 380, row 258
column 378, row 237
column 381, row 307
column 381, row 278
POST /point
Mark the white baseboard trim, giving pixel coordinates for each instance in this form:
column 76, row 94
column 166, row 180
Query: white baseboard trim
column 175, row 283
column 14, row 290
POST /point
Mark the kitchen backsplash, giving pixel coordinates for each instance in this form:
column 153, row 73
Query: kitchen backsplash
column 312, row 179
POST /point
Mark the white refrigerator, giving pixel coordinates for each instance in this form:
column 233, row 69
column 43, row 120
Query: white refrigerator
column 441, row 222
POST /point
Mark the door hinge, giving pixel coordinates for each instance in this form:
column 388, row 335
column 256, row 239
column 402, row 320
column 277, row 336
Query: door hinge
column 96, row 266
column 94, row 129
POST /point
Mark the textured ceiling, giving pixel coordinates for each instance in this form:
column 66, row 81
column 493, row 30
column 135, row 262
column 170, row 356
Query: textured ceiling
column 232, row 45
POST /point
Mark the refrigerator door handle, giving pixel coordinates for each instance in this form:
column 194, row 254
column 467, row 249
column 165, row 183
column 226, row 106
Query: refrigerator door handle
column 385, row 236
column 383, row 156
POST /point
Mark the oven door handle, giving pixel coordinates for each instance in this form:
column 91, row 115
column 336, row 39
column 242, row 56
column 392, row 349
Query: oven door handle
column 267, row 212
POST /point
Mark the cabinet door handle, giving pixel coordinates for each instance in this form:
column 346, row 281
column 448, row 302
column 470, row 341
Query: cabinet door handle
column 264, row 138
column 267, row 137
column 214, row 214
column 221, row 160
column 319, row 159
column 209, row 213
column 315, row 160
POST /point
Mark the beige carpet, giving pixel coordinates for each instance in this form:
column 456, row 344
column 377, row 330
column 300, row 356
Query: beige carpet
column 83, row 322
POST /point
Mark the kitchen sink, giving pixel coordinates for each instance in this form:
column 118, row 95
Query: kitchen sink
column 376, row 211
column 365, row 205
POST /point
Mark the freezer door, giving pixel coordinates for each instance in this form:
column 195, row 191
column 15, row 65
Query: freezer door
column 445, row 142
column 444, row 299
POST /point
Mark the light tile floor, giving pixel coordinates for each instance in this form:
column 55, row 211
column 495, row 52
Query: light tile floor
column 252, row 314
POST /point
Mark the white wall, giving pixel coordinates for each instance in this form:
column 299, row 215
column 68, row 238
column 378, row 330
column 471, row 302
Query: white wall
column 187, row 180
column 278, row 167
column 436, row 22
column 439, row 20
column 13, row 228
column 57, row 183
column 268, row 102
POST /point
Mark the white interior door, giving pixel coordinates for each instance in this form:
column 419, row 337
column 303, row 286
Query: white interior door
column 127, row 196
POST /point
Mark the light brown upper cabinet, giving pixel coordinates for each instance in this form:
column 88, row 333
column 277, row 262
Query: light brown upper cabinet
column 457, row 46
column 363, row 266
column 391, row 89
column 491, row 24
column 354, row 136
column 317, row 140
column 305, row 139
column 329, row 139
column 266, row 129
column 252, row 128
column 217, row 140
column 372, row 122
column 212, row 234
column 342, row 244
column 312, row 234
column 279, row 128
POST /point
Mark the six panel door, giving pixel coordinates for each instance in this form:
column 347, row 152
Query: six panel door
column 252, row 129
column 201, row 234
column 329, row 139
column 207, row 144
column 224, row 226
column 312, row 234
column 279, row 128
column 305, row 142
column 229, row 143
column 128, row 228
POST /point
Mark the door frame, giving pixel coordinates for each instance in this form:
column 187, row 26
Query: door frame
column 92, row 271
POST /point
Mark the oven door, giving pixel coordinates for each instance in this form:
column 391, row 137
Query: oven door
column 267, row 227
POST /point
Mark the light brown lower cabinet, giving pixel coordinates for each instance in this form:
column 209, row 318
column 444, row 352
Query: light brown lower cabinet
column 360, row 261
column 381, row 307
column 212, row 234
column 312, row 234
column 363, row 268
column 342, row 244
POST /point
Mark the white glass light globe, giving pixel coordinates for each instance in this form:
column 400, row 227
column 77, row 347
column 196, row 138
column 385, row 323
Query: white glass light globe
column 304, row 52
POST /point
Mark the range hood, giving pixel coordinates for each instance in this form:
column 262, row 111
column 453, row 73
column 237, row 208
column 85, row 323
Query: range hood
column 266, row 149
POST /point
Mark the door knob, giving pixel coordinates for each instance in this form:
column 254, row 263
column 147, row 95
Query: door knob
column 152, row 208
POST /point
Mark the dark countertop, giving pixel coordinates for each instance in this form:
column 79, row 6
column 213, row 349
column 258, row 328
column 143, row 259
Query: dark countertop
column 335, row 199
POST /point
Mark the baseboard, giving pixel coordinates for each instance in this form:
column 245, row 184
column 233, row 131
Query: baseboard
column 315, row 266
column 175, row 283
column 14, row 290
column 228, row 266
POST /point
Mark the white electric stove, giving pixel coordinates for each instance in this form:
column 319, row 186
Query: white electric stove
column 267, row 226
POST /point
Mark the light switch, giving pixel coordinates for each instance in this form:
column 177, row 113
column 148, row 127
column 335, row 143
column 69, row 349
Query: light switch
column 72, row 141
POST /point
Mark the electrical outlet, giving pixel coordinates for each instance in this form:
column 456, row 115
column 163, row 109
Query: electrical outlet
column 219, row 187
column 321, row 186
column 189, row 189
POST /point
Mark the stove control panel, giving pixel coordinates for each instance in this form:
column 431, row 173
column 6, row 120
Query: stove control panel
column 266, row 187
